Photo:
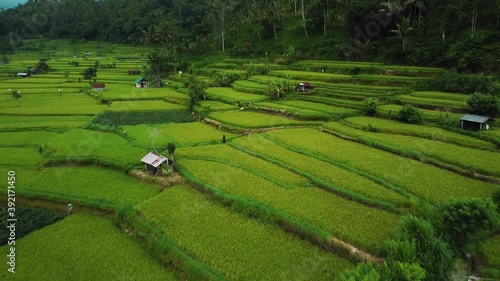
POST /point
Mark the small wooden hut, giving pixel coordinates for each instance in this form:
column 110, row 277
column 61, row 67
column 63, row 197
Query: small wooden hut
column 141, row 82
column 153, row 162
column 474, row 122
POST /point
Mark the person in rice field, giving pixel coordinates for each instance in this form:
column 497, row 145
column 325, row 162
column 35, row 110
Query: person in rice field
column 70, row 209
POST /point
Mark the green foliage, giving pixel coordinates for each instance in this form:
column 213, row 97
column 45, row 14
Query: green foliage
column 417, row 253
column 464, row 219
column 16, row 94
column 483, row 104
column 370, row 106
column 30, row 219
column 225, row 78
column 453, row 82
column 362, row 272
column 355, row 71
column 42, row 66
column 411, row 115
column 447, row 121
column 171, row 149
column 411, row 271
column 280, row 88
column 4, row 59
column 89, row 74
column 196, row 91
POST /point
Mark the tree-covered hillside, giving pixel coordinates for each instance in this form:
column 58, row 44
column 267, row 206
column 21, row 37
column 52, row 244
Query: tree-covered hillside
column 447, row 33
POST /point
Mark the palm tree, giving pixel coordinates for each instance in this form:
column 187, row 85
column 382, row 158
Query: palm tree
column 403, row 29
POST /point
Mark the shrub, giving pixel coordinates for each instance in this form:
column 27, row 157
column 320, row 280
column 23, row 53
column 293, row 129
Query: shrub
column 370, row 107
column 417, row 250
column 363, row 272
column 447, row 121
column 483, row 104
column 355, row 71
column 411, row 115
column 196, row 91
column 224, row 78
column 466, row 218
column 453, row 82
column 280, row 88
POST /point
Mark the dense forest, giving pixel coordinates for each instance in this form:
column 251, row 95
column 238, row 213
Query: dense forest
column 462, row 34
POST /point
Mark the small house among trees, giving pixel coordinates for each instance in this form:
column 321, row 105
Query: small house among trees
column 474, row 122
column 22, row 74
column 153, row 163
column 98, row 87
column 134, row 72
column 142, row 82
column 304, row 87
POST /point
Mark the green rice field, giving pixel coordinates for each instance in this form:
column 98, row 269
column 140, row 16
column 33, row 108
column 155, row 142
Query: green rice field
column 301, row 188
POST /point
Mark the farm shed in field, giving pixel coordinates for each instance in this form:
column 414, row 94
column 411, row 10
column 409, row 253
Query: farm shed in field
column 154, row 162
column 141, row 82
column 98, row 87
column 304, row 87
column 22, row 74
column 134, row 72
column 474, row 122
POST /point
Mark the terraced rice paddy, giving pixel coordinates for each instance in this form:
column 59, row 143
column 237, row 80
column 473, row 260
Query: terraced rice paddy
column 277, row 204
column 98, row 243
column 230, row 242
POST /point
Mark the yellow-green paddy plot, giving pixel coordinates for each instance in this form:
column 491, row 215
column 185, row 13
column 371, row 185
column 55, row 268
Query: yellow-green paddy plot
column 229, row 155
column 182, row 134
column 143, row 105
column 238, row 247
column 441, row 95
column 433, row 133
column 90, row 185
column 231, row 96
column 392, row 110
column 328, row 109
column 432, row 102
column 321, row 170
column 424, row 180
column 283, row 108
column 50, row 104
column 465, row 157
column 119, row 92
column 82, row 247
column 25, row 138
column 78, row 143
column 491, row 249
column 12, row 121
column 19, row 156
column 348, row 220
column 257, row 120
column 216, row 105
